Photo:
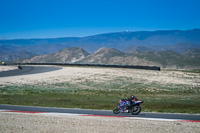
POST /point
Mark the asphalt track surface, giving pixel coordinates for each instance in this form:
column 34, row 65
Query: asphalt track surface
column 99, row 112
column 26, row 70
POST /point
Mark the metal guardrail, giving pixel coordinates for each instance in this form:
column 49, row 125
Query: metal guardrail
column 95, row 65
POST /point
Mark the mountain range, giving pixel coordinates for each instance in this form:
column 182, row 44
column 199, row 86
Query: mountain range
column 162, row 48
column 175, row 40
column 165, row 59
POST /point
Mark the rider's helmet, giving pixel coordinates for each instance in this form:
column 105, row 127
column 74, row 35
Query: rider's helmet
column 132, row 97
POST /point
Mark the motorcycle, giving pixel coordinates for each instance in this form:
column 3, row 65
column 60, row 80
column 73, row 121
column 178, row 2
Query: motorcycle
column 134, row 108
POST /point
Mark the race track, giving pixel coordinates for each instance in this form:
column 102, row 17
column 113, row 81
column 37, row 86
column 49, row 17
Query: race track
column 103, row 113
column 27, row 70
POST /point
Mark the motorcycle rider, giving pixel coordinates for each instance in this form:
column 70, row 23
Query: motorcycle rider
column 131, row 100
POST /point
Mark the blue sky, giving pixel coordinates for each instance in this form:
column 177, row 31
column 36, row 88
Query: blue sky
column 78, row 18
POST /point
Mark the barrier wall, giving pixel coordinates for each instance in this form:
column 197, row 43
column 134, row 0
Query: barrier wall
column 95, row 65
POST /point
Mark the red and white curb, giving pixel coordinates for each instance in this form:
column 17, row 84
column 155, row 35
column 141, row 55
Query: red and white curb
column 71, row 114
column 10, row 69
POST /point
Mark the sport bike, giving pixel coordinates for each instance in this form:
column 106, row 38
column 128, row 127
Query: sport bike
column 124, row 106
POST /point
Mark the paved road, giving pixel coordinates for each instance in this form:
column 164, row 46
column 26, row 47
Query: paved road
column 101, row 112
column 26, row 70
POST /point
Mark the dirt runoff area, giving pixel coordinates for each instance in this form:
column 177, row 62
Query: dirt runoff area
column 95, row 74
column 23, row 122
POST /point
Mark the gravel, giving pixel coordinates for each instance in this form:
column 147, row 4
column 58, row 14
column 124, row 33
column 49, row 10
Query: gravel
column 82, row 74
column 23, row 122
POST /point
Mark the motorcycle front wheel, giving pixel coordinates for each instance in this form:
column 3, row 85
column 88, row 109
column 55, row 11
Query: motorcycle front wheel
column 116, row 110
column 135, row 110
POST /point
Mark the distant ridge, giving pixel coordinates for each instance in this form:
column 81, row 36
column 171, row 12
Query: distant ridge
column 68, row 55
column 150, row 40
column 165, row 59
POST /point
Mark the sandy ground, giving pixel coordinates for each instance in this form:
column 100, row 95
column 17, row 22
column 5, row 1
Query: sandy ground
column 29, row 123
column 81, row 74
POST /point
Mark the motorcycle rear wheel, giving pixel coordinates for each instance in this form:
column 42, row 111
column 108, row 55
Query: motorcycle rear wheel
column 135, row 110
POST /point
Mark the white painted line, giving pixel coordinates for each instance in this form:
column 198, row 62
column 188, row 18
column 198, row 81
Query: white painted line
column 154, row 119
column 55, row 113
